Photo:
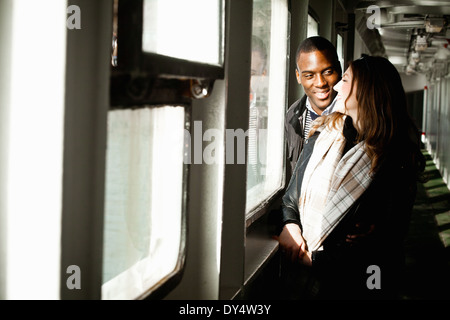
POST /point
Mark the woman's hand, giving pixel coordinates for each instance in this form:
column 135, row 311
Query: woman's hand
column 307, row 259
column 292, row 243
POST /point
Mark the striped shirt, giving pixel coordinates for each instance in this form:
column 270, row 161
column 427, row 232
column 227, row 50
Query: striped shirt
column 311, row 115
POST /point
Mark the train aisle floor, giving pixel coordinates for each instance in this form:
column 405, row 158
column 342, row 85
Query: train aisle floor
column 428, row 242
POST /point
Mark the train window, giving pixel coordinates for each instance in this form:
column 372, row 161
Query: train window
column 340, row 49
column 313, row 26
column 171, row 38
column 164, row 54
column 143, row 227
column 191, row 32
column 268, row 88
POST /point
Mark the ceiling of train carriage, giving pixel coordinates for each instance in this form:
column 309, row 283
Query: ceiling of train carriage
column 413, row 34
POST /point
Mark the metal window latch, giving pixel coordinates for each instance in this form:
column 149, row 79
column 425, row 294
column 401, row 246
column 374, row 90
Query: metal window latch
column 201, row 88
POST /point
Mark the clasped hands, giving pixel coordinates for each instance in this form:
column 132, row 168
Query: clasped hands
column 293, row 245
column 295, row 248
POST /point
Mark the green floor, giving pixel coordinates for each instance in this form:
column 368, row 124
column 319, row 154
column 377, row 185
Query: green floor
column 428, row 242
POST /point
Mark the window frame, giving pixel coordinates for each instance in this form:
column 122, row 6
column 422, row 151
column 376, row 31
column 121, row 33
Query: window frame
column 316, row 18
column 143, row 78
column 341, row 54
column 158, row 80
column 171, row 280
column 131, row 57
column 168, row 283
column 265, row 205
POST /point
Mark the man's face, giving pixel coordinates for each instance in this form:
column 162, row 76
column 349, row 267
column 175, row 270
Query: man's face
column 317, row 76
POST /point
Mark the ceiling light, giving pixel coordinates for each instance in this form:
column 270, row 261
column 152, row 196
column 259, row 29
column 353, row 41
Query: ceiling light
column 415, row 56
column 442, row 54
column 434, row 25
column 409, row 70
column 398, row 60
column 421, row 43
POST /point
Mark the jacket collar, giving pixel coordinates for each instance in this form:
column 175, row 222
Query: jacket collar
column 298, row 110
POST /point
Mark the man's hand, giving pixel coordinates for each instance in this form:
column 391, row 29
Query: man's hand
column 292, row 243
column 361, row 233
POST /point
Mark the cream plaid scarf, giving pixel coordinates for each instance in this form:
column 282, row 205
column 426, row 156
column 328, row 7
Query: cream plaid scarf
column 331, row 184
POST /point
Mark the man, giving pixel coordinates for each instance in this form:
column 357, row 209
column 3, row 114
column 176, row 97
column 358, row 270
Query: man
column 318, row 70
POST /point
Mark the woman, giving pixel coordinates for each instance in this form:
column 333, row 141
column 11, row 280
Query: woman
column 356, row 175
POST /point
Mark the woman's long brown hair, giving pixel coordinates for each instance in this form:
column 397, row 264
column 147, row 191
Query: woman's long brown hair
column 381, row 105
column 383, row 120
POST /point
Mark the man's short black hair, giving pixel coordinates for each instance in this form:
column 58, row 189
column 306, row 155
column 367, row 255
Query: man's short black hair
column 318, row 43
